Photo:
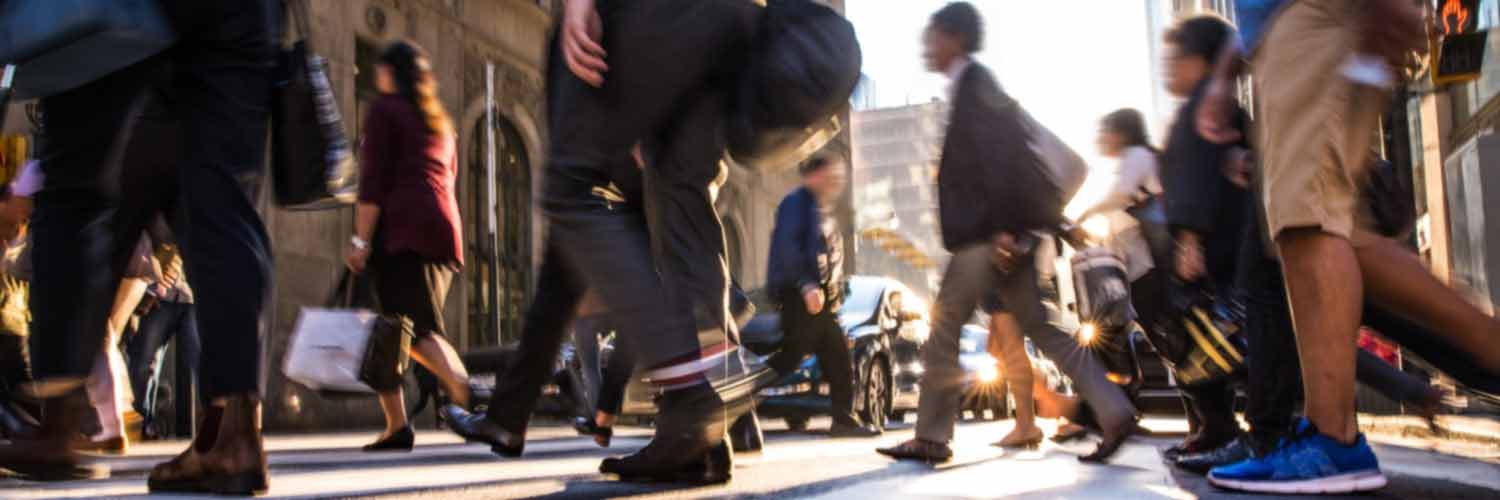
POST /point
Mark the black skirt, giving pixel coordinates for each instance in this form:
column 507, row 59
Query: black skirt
column 413, row 286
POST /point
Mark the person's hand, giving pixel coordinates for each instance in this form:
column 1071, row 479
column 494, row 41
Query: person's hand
column 582, row 30
column 1394, row 30
column 1240, row 167
column 1008, row 252
column 635, row 154
column 1215, row 118
column 813, row 299
column 356, row 258
column 1190, row 263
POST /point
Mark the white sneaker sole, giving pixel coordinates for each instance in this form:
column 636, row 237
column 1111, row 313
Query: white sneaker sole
column 1369, row 480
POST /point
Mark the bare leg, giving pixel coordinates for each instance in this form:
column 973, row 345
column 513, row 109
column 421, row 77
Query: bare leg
column 1397, row 281
column 106, row 385
column 1007, row 345
column 1326, row 290
column 435, row 353
column 393, row 403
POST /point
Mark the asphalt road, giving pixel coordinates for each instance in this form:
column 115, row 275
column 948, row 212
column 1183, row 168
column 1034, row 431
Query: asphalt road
column 794, row 465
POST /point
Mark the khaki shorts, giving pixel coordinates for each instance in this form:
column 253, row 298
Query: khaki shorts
column 1316, row 129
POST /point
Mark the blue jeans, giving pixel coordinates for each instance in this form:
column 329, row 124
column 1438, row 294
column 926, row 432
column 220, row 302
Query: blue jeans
column 146, row 349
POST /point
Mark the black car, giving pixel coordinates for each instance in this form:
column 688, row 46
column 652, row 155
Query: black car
column 886, row 324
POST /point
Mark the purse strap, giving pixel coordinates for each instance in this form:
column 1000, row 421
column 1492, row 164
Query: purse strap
column 343, row 294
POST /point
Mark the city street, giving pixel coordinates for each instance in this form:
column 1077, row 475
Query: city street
column 561, row 465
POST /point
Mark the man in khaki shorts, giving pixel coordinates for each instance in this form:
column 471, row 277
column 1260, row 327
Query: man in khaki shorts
column 1323, row 70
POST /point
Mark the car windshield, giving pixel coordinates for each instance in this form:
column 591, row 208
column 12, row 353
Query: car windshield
column 864, row 297
column 973, row 339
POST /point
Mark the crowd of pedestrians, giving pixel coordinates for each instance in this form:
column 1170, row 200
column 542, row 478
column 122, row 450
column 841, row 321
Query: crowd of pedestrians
column 140, row 216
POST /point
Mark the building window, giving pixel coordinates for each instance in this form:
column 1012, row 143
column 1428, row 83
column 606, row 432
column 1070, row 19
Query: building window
column 499, row 270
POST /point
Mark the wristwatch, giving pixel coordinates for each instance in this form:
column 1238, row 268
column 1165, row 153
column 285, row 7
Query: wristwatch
column 359, row 243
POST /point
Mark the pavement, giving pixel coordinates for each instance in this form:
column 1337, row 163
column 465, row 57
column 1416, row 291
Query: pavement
column 561, row 465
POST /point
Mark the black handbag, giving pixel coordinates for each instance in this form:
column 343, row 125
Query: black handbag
column 312, row 164
column 803, row 68
column 1103, row 289
column 388, row 353
column 60, row 45
column 1208, row 345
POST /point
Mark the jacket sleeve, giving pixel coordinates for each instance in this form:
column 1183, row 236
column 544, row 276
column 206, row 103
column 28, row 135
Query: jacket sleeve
column 791, row 254
column 375, row 145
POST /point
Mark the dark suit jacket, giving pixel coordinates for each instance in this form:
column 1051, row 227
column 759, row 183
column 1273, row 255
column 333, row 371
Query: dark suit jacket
column 796, row 243
column 989, row 179
column 1200, row 198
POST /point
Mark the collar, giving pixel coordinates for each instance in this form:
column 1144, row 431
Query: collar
column 956, row 68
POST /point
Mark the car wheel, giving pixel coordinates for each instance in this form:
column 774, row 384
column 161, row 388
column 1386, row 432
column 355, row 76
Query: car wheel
column 876, row 394
column 796, row 424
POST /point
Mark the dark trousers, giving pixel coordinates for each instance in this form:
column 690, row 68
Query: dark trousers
column 145, row 350
column 220, row 84
column 1209, row 407
column 606, row 381
column 819, row 335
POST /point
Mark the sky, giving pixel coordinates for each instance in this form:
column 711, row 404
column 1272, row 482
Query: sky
column 1069, row 62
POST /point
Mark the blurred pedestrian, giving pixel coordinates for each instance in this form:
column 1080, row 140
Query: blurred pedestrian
column 1323, row 68
column 991, row 214
column 805, row 275
column 168, row 317
column 1206, row 214
column 407, row 230
column 222, row 87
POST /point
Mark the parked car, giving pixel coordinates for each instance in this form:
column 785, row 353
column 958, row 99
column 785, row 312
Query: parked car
column 886, row 324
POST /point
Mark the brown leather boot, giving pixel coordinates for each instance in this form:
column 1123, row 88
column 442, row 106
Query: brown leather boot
column 233, row 464
column 48, row 455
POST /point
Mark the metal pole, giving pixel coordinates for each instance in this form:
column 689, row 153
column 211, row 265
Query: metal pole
column 492, row 211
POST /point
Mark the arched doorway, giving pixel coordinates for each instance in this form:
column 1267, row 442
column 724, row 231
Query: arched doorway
column 504, row 289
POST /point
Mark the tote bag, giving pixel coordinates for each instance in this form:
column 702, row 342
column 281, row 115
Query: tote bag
column 341, row 349
column 312, row 164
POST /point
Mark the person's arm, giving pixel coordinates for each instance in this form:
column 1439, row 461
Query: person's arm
column 582, row 31
column 374, row 184
column 1136, row 167
column 1216, row 114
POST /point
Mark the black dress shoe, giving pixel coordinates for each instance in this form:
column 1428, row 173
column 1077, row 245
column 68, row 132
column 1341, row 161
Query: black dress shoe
column 1234, row 452
column 1113, row 439
column 919, row 449
column 587, row 427
column 850, row 430
column 660, row 462
column 479, row 428
column 401, row 440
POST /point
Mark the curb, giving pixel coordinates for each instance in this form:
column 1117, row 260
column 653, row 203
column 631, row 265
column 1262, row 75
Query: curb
column 1475, row 429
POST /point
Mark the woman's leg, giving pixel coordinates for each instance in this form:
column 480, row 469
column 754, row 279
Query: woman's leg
column 1008, row 346
column 393, row 403
column 107, row 384
column 435, row 353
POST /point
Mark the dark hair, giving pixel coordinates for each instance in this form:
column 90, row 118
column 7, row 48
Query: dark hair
column 1200, row 36
column 815, row 164
column 962, row 20
column 1130, row 125
column 412, row 71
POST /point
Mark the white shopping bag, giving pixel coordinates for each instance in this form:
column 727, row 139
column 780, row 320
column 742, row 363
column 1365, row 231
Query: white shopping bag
column 328, row 348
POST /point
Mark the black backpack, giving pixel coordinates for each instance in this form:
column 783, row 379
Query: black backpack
column 802, row 69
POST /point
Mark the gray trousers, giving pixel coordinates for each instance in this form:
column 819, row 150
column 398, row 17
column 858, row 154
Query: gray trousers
column 970, row 276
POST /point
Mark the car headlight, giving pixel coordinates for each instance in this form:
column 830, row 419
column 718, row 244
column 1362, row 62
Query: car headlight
column 988, row 374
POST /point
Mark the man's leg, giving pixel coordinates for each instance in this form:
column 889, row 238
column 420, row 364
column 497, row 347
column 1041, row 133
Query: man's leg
column 798, row 334
column 1324, row 285
column 222, row 93
column 142, row 349
column 1432, row 348
column 832, row 349
column 971, row 274
column 1116, row 416
column 559, row 290
column 1275, row 374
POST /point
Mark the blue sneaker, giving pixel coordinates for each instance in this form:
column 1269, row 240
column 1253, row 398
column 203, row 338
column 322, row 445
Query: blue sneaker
column 1305, row 463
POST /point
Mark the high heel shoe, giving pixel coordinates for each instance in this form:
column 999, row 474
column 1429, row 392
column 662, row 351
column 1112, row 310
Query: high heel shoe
column 401, row 440
column 587, row 427
column 1029, row 440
